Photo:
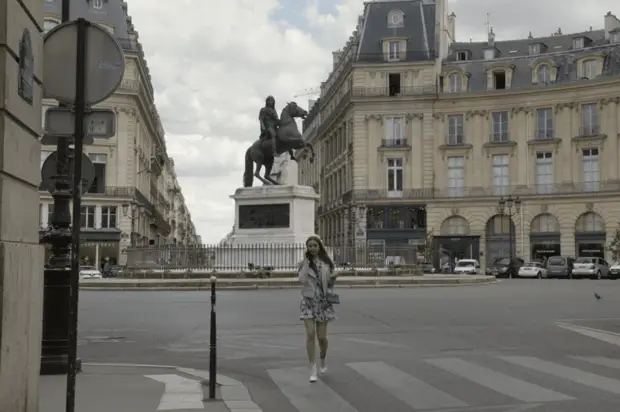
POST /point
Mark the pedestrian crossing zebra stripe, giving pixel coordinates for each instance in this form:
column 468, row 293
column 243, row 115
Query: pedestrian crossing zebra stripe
column 597, row 360
column 410, row 390
column 499, row 382
column 310, row 397
column 305, row 396
column 572, row 374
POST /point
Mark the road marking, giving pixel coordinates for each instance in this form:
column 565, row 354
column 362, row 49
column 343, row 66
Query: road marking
column 499, row 382
column 306, row 396
column 179, row 393
column 565, row 372
column 501, row 408
column 602, row 335
column 597, row 360
column 375, row 342
column 410, row 390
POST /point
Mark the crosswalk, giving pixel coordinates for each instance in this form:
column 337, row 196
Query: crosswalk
column 438, row 383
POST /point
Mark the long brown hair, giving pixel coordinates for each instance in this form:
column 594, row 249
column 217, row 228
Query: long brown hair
column 322, row 252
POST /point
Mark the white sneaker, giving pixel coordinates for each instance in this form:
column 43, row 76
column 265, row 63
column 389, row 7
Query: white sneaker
column 323, row 369
column 313, row 372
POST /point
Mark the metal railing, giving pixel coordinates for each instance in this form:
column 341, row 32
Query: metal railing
column 112, row 191
column 393, row 91
column 270, row 257
column 394, row 142
column 569, row 188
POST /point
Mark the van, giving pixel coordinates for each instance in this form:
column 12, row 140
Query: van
column 560, row 267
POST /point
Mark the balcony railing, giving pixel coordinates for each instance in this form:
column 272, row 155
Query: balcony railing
column 499, row 137
column 544, row 134
column 416, row 195
column 394, row 91
column 592, row 130
column 400, row 142
column 111, row 191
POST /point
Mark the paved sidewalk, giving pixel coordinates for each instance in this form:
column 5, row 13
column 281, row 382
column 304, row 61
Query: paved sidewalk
column 143, row 388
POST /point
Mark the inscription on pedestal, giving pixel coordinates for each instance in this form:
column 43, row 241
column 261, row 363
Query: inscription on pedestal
column 264, row 216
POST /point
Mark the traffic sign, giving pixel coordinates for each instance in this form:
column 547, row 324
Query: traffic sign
column 105, row 63
column 60, row 122
column 48, row 171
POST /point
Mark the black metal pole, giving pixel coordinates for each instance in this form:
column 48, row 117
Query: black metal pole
column 54, row 346
column 80, row 112
column 212, row 343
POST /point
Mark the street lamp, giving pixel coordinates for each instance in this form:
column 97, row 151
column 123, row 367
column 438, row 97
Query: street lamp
column 506, row 206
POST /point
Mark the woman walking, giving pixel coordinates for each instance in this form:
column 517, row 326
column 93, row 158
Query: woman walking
column 316, row 273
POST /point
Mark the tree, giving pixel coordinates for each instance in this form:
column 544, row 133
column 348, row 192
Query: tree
column 429, row 248
column 614, row 246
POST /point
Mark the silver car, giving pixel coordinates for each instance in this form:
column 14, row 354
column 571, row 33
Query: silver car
column 591, row 267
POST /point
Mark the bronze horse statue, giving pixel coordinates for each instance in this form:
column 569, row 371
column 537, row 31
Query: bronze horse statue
column 288, row 139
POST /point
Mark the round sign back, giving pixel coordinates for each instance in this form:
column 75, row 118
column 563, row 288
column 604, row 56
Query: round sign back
column 48, row 172
column 105, row 63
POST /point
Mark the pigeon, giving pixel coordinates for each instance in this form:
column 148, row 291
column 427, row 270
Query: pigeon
column 597, row 296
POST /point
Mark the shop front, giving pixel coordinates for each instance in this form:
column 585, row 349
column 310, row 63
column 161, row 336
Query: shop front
column 449, row 249
column 544, row 245
column 590, row 244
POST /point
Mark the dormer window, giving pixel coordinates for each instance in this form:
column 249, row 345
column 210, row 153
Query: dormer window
column 96, row 4
column 535, row 48
column 615, row 36
column 462, row 56
column 490, row 54
column 590, row 69
column 579, row 42
column 394, row 48
column 396, row 18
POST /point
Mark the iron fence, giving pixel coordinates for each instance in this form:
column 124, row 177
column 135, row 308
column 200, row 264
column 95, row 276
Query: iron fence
column 272, row 257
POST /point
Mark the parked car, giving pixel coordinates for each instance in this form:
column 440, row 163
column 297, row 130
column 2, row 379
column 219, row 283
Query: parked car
column 532, row 270
column 591, row 267
column 467, row 267
column 90, row 272
column 504, row 267
column 427, row 268
column 560, row 267
column 614, row 271
column 113, row 271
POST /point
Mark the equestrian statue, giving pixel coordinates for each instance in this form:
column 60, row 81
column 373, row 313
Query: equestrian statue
column 278, row 135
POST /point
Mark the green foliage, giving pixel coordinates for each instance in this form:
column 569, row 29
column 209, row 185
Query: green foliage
column 614, row 246
column 429, row 250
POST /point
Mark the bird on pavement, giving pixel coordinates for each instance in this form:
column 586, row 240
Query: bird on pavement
column 597, row 296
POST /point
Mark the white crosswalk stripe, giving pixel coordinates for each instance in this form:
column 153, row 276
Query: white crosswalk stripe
column 411, row 390
column 419, row 394
column 507, row 385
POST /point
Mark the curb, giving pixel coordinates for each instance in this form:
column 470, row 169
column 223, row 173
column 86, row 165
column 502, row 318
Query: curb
column 269, row 285
column 233, row 393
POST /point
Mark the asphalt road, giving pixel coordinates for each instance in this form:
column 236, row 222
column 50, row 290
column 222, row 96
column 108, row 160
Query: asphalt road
column 519, row 345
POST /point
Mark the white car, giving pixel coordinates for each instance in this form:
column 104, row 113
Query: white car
column 90, row 272
column 614, row 271
column 532, row 270
column 467, row 267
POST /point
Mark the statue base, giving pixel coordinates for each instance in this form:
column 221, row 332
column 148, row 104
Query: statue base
column 272, row 224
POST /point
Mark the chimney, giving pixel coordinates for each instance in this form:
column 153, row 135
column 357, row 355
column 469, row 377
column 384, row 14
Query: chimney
column 491, row 38
column 452, row 26
column 611, row 23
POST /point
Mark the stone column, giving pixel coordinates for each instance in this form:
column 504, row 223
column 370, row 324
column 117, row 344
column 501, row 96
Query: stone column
column 21, row 257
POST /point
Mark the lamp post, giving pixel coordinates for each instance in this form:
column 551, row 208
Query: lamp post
column 129, row 211
column 506, row 207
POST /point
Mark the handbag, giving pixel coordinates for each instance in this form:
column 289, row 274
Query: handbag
column 330, row 296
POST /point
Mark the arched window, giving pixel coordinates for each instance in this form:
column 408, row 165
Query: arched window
column 543, row 74
column 545, row 223
column 455, row 225
column 396, row 18
column 455, row 83
column 590, row 222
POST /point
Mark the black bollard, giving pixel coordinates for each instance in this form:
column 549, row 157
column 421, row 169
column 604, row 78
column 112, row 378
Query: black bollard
column 212, row 343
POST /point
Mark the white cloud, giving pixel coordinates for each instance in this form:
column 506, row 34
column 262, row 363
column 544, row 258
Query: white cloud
column 214, row 62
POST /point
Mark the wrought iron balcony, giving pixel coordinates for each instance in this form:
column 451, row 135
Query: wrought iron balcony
column 395, row 143
column 110, row 191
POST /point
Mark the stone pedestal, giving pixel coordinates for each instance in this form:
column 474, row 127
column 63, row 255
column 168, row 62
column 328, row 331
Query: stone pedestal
column 272, row 224
column 21, row 257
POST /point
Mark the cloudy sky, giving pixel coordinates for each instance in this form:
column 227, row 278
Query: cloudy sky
column 213, row 63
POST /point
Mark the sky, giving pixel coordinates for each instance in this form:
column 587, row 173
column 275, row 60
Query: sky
column 214, row 62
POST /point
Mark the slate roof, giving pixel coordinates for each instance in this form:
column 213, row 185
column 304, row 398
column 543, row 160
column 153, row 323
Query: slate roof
column 558, row 48
column 418, row 28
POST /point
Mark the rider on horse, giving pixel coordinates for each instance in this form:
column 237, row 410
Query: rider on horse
column 269, row 122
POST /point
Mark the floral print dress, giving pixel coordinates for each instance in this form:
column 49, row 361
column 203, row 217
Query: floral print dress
column 317, row 307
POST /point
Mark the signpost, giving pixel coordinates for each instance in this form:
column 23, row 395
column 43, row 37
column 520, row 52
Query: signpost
column 79, row 77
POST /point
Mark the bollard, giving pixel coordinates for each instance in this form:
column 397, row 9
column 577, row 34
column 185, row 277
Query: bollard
column 212, row 343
